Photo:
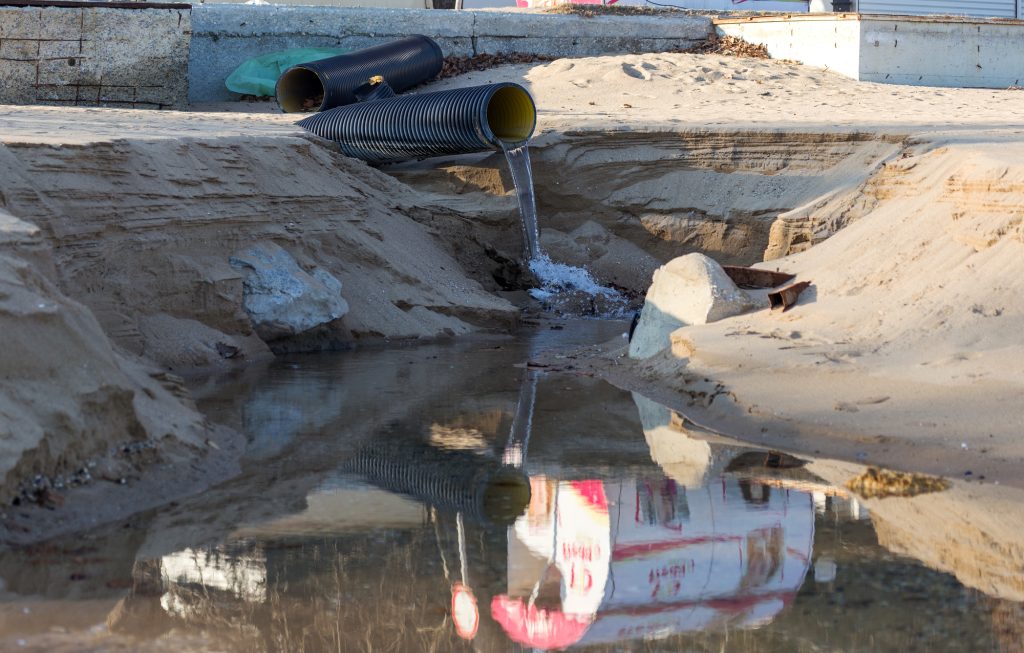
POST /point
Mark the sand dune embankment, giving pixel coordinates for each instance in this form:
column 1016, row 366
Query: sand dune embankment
column 147, row 228
column 117, row 269
column 67, row 394
column 905, row 352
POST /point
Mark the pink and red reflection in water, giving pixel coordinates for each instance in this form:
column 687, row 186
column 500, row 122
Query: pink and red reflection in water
column 594, row 562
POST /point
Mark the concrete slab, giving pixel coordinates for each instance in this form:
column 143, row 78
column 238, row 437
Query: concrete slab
column 913, row 50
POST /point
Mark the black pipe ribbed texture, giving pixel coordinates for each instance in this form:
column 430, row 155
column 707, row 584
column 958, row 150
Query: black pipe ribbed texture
column 403, row 64
column 414, row 126
column 450, row 480
column 372, row 92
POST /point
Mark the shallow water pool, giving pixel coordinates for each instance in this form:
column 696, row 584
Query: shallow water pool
column 447, row 498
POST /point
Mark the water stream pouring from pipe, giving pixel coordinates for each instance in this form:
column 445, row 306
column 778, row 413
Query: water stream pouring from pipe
column 558, row 280
column 460, row 121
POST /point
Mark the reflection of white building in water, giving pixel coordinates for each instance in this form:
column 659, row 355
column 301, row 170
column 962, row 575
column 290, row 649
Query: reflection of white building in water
column 596, row 562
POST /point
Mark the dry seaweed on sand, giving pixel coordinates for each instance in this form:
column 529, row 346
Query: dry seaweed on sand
column 454, row 66
column 877, row 483
column 730, row 46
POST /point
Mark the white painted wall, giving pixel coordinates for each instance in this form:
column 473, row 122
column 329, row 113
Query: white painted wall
column 894, row 50
column 820, row 41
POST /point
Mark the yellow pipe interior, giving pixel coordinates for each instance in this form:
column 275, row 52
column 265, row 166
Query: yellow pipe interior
column 511, row 114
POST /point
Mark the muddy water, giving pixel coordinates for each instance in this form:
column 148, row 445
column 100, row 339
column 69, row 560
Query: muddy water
column 440, row 498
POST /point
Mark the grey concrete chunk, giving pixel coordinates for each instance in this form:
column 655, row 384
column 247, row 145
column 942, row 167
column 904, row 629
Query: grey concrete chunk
column 691, row 289
column 281, row 298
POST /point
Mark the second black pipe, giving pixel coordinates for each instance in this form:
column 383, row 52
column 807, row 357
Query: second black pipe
column 332, row 82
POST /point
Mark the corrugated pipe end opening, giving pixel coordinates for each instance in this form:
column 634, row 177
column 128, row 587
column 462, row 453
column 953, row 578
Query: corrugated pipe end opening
column 300, row 89
column 506, row 496
column 511, row 115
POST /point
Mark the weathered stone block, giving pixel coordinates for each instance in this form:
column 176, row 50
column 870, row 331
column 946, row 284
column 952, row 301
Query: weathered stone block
column 22, row 49
column 691, row 289
column 60, row 49
column 63, row 23
column 19, row 22
column 94, row 46
column 17, row 81
column 57, row 72
column 60, row 93
column 117, row 94
column 155, row 95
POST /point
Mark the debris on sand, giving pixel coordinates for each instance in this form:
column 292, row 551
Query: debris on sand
column 730, row 46
column 590, row 11
column 877, row 483
column 454, row 66
column 312, row 103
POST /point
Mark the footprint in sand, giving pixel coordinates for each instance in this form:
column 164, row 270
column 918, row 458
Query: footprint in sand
column 633, row 71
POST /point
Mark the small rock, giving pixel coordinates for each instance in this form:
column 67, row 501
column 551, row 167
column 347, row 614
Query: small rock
column 50, row 498
column 227, row 351
column 111, row 470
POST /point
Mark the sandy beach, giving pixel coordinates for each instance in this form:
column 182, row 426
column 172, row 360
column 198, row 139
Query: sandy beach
column 903, row 353
column 187, row 465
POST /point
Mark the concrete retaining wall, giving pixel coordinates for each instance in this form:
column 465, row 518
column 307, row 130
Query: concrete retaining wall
column 226, row 35
column 910, row 50
column 88, row 56
column 941, row 53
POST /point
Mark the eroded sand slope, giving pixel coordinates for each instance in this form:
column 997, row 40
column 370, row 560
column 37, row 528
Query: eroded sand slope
column 122, row 272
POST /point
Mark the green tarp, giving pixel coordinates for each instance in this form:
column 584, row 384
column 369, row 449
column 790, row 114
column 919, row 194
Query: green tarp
column 258, row 76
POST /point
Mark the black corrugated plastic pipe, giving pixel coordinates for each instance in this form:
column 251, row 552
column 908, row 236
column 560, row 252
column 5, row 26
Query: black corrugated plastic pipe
column 373, row 90
column 403, row 64
column 456, row 121
column 459, row 481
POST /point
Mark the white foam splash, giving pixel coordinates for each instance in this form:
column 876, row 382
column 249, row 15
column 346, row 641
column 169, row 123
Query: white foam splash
column 556, row 277
column 572, row 289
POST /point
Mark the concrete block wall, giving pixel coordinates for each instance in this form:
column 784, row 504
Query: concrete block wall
column 912, row 50
column 89, row 56
column 957, row 53
column 226, row 35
